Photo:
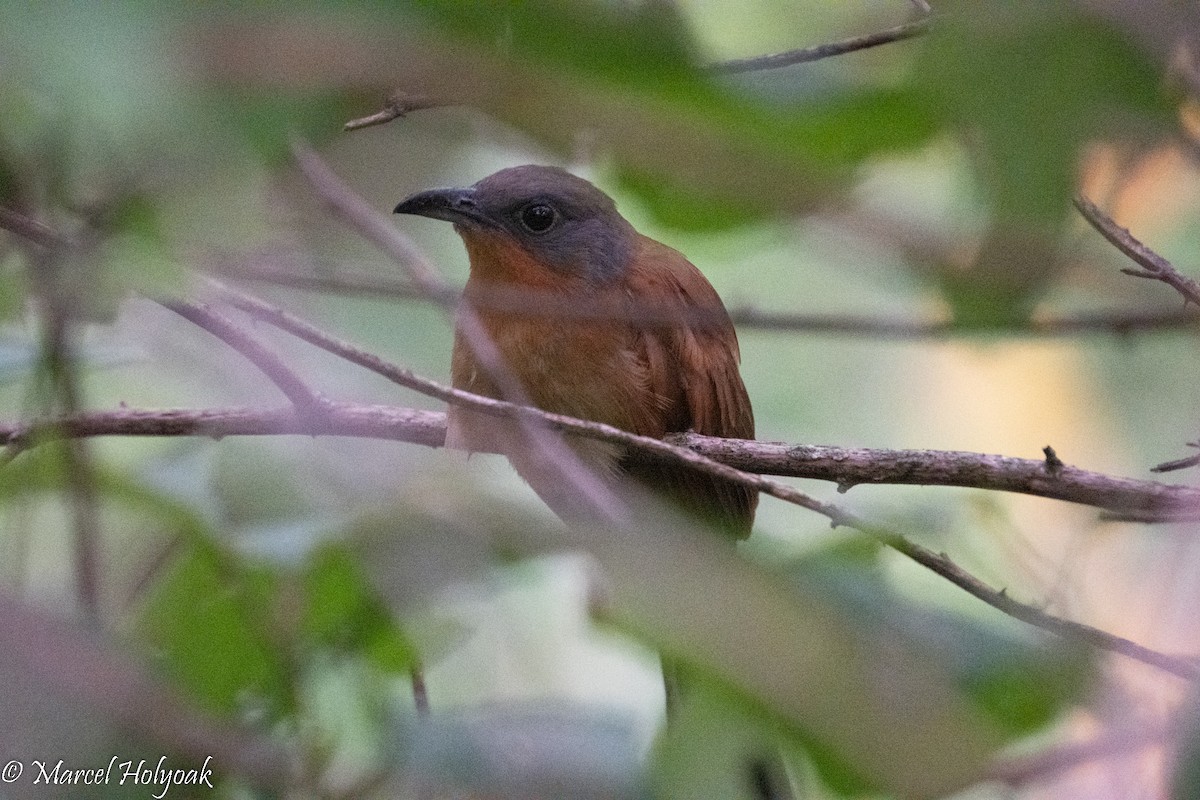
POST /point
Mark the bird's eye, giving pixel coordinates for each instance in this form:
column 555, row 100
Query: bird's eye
column 538, row 217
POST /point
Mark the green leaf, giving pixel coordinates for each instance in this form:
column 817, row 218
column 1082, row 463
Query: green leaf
column 205, row 620
column 269, row 119
column 1033, row 84
column 343, row 611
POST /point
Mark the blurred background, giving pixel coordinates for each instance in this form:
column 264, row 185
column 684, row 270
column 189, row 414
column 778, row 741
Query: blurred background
column 271, row 600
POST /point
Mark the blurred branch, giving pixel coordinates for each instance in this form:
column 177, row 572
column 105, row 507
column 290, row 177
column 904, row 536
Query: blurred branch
column 1181, row 463
column 62, row 366
column 352, row 209
column 533, row 302
column 269, row 364
column 1021, row 771
column 55, row 292
column 805, row 55
column 1153, row 266
column 30, row 229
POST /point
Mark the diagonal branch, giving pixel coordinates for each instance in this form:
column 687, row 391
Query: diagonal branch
column 31, row 229
column 1153, row 266
column 1179, row 463
column 805, row 55
column 269, row 364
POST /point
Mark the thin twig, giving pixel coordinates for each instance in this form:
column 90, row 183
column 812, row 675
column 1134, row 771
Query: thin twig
column 30, row 229
column 805, row 55
column 269, row 364
column 640, row 314
column 62, row 367
column 399, row 104
column 1153, row 266
column 1179, row 463
column 1019, row 771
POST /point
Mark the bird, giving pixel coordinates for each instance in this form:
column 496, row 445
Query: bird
column 547, row 232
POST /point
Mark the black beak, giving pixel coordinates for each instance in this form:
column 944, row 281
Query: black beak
column 453, row 205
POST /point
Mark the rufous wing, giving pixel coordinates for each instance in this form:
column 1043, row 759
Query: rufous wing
column 694, row 376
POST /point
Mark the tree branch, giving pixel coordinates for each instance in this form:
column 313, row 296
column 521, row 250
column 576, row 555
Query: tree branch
column 428, row 428
column 805, row 55
column 399, row 104
column 1153, row 266
column 849, row 467
column 30, row 229
column 844, row 466
column 269, row 364
column 1023, row 770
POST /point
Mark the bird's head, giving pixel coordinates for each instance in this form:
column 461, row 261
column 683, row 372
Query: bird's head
column 534, row 218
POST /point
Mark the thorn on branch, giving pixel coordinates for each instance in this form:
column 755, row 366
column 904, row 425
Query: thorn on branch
column 1053, row 464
